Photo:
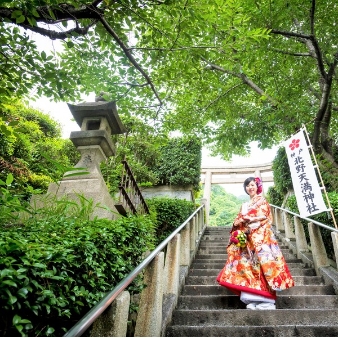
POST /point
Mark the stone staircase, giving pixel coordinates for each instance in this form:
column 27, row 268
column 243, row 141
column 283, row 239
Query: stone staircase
column 206, row 309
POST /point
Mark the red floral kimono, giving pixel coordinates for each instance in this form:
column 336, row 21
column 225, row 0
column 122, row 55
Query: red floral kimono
column 259, row 267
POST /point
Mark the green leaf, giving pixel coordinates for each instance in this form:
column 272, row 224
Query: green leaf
column 70, row 44
column 35, row 13
column 23, row 292
column 51, row 13
column 9, row 179
column 12, row 299
column 16, row 14
column 16, row 320
column 39, row 265
column 20, row 19
column 50, row 331
column 9, row 282
column 32, row 21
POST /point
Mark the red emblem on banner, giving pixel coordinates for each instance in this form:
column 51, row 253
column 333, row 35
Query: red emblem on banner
column 294, row 144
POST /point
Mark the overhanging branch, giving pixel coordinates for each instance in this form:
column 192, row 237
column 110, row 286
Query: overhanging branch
column 129, row 55
column 244, row 79
column 53, row 35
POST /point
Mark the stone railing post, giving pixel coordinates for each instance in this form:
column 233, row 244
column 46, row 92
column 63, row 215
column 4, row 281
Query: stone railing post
column 288, row 226
column 201, row 219
column 278, row 220
column 207, row 193
column 301, row 243
column 171, row 267
column 196, row 227
column 318, row 250
column 171, row 281
column 192, row 238
column 185, row 246
column 334, row 236
column 149, row 318
column 113, row 322
column 205, row 210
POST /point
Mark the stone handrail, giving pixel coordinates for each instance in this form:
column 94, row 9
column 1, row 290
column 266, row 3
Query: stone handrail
column 314, row 253
column 164, row 276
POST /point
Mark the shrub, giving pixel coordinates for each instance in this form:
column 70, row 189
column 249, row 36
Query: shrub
column 59, row 264
column 180, row 163
column 274, row 197
column 170, row 214
column 281, row 172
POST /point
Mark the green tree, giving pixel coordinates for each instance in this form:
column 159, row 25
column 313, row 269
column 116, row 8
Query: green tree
column 230, row 72
column 117, row 47
column 30, row 151
column 224, row 207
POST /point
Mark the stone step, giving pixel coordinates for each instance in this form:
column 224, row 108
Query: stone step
column 214, row 272
column 211, row 280
column 253, row 331
column 220, row 290
column 219, row 251
column 233, row 302
column 206, row 309
column 219, row 264
column 215, row 237
column 212, row 257
column 244, row 317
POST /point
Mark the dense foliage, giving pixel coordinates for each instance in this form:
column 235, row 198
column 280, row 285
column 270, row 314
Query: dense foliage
column 180, row 162
column 256, row 71
column 57, row 264
column 224, row 207
column 170, row 214
column 26, row 141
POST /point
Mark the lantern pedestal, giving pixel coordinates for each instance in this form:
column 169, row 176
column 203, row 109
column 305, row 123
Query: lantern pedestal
column 98, row 121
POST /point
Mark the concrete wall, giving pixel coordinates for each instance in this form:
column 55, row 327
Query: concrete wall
column 170, row 191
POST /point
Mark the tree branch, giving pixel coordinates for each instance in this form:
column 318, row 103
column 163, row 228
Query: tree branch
column 290, row 34
column 53, row 35
column 309, row 39
column 220, row 96
column 129, row 56
column 244, row 79
column 290, row 53
column 173, row 49
column 62, row 12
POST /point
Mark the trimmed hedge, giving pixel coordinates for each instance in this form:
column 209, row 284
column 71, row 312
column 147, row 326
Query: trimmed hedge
column 170, row 214
column 55, row 268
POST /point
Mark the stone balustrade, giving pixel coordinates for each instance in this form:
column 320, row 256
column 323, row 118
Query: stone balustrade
column 164, row 278
column 313, row 254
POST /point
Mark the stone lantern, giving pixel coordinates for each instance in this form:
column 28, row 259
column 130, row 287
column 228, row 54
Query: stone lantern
column 98, row 121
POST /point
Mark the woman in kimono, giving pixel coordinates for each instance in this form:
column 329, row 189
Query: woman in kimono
column 255, row 268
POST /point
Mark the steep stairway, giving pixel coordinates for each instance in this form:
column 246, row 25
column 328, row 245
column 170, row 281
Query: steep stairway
column 206, row 309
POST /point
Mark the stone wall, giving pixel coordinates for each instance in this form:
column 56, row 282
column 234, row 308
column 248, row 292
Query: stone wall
column 170, row 191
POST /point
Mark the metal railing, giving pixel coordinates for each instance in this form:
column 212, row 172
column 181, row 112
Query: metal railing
column 130, row 197
column 306, row 219
column 313, row 253
column 195, row 226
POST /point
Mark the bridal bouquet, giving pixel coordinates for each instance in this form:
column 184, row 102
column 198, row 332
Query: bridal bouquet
column 238, row 237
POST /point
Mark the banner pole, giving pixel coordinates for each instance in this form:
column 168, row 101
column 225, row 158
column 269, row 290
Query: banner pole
column 320, row 176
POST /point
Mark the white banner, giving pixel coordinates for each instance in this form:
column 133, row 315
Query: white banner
column 305, row 183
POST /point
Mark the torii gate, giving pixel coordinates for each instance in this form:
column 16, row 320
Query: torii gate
column 231, row 175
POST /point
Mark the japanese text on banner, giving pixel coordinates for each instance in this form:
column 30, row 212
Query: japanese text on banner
column 305, row 183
